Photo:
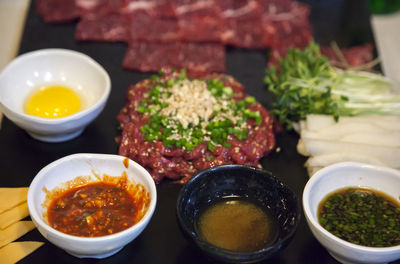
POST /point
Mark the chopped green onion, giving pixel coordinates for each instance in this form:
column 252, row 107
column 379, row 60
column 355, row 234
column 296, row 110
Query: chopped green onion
column 215, row 132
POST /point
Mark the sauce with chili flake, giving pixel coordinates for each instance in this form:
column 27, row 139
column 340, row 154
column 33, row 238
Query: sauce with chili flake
column 95, row 209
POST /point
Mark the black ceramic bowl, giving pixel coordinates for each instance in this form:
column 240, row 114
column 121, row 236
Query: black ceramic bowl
column 243, row 181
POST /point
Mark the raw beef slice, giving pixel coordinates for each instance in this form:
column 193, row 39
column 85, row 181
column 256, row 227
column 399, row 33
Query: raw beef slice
column 150, row 57
column 202, row 57
column 102, row 27
column 143, row 26
column 197, row 58
column 57, row 11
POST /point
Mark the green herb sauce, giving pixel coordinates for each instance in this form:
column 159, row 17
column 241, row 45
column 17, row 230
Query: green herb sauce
column 361, row 216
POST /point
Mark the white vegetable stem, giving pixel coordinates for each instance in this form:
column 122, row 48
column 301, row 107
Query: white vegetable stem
column 368, row 139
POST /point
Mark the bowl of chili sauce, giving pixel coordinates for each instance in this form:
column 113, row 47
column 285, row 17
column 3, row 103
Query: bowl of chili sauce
column 92, row 205
column 353, row 210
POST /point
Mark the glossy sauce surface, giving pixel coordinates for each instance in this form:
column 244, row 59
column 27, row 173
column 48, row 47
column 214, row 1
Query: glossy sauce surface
column 361, row 216
column 92, row 209
column 237, row 225
column 53, row 102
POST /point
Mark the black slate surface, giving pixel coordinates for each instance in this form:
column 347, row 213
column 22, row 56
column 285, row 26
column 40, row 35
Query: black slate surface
column 21, row 157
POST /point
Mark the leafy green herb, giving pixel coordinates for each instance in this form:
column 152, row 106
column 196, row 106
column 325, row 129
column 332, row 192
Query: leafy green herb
column 306, row 83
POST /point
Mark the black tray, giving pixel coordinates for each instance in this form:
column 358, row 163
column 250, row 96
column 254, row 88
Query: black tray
column 21, row 157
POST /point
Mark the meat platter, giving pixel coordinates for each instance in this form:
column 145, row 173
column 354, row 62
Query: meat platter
column 162, row 242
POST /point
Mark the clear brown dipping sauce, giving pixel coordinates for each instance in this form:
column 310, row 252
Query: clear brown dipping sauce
column 236, row 224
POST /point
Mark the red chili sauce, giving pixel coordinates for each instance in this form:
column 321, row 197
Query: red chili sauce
column 95, row 209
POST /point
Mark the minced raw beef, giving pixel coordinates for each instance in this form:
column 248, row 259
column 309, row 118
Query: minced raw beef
column 180, row 163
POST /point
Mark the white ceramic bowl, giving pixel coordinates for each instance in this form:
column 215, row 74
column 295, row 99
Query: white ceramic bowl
column 69, row 68
column 343, row 175
column 68, row 168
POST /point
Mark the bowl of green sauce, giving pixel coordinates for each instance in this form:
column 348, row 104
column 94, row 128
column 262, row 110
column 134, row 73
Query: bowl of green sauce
column 237, row 213
column 353, row 210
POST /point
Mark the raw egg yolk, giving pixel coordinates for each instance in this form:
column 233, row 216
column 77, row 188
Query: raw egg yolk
column 53, row 102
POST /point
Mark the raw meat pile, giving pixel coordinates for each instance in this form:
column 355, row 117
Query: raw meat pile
column 178, row 163
column 187, row 34
column 190, row 34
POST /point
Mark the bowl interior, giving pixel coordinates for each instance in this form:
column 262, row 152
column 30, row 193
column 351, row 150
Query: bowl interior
column 349, row 174
column 243, row 181
column 47, row 67
column 70, row 167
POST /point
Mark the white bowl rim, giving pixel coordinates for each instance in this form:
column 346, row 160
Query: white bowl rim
column 68, row 52
column 49, row 229
column 307, row 210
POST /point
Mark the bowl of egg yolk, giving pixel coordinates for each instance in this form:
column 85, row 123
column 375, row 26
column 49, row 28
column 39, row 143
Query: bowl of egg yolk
column 53, row 94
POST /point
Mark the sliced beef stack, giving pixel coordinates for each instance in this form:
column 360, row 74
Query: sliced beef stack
column 189, row 34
